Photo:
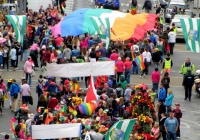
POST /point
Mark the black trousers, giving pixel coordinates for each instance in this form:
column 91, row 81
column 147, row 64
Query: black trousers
column 178, row 131
column 118, row 75
column 5, row 61
column 86, row 81
column 171, row 48
column 188, row 92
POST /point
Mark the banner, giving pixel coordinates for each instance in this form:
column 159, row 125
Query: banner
column 191, row 33
column 81, row 69
column 120, row 130
column 55, row 131
column 19, row 25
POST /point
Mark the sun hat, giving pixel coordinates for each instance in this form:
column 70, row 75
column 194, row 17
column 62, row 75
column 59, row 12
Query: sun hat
column 9, row 80
column 156, row 49
column 24, row 106
column 103, row 128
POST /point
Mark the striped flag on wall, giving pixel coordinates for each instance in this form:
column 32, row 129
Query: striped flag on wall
column 191, row 32
column 120, row 130
column 19, row 25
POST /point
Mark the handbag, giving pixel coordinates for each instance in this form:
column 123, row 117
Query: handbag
column 6, row 97
column 30, row 100
column 33, row 73
column 15, row 96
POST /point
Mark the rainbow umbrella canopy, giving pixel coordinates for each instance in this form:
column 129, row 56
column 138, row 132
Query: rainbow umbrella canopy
column 121, row 25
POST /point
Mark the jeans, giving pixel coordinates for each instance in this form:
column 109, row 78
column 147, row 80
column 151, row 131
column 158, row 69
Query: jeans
column 171, row 136
column 156, row 64
column 21, row 56
column 168, row 109
column 25, row 54
column 25, row 100
column 171, row 48
column 127, row 75
column 28, row 78
column 155, row 87
column 135, row 69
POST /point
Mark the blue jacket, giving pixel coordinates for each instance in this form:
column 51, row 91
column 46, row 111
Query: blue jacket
column 162, row 94
column 153, row 39
column 44, row 41
column 169, row 100
column 14, row 89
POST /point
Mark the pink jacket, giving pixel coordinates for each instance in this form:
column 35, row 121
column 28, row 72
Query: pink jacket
column 84, row 43
column 155, row 131
column 3, row 87
column 155, row 76
column 53, row 57
column 120, row 66
column 28, row 66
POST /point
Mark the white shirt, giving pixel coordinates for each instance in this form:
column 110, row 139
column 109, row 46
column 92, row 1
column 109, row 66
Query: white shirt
column 25, row 89
column 13, row 54
column 172, row 37
column 146, row 55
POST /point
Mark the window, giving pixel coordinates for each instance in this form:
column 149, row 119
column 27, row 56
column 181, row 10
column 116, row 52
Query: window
column 171, row 6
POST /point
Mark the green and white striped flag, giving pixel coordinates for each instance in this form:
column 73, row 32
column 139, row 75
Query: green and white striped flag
column 102, row 26
column 19, row 25
column 121, row 130
column 191, row 32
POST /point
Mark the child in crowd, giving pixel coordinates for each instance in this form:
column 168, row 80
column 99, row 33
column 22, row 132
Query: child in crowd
column 6, row 137
column 178, row 115
column 44, row 69
column 168, row 101
column 152, row 95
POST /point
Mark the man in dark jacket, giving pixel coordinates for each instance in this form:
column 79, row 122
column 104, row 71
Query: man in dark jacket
column 24, row 49
column 161, row 109
column 156, row 58
column 147, row 6
column 128, row 53
column 188, row 83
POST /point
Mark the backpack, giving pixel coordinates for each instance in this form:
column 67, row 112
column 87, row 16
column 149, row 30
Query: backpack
column 149, row 5
column 165, row 82
column 32, row 52
column 134, row 2
column 118, row 92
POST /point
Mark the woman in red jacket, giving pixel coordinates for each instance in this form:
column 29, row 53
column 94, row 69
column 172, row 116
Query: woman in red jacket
column 46, row 55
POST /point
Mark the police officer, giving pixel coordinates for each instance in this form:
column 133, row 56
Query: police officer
column 188, row 82
column 187, row 65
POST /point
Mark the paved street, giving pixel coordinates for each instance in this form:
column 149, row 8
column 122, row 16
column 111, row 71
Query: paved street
column 190, row 123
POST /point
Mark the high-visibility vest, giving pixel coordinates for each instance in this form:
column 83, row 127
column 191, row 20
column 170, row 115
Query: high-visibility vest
column 175, row 30
column 168, row 63
column 161, row 20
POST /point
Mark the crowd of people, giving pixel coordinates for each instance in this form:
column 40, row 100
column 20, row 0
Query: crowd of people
column 114, row 92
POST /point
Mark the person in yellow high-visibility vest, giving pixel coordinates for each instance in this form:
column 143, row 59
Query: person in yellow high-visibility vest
column 174, row 28
column 167, row 64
